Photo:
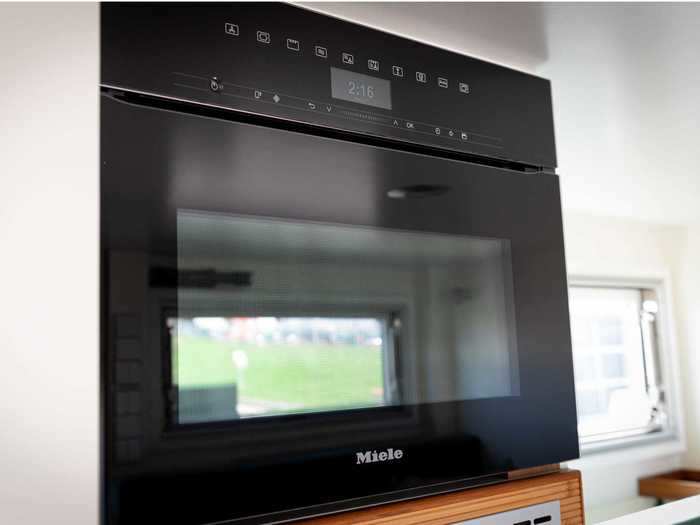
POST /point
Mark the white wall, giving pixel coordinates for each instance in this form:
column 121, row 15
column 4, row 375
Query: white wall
column 689, row 319
column 48, row 263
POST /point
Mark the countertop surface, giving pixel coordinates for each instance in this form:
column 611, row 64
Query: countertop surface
column 681, row 512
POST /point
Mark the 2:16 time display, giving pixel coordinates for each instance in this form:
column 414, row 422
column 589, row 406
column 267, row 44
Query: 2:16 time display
column 359, row 89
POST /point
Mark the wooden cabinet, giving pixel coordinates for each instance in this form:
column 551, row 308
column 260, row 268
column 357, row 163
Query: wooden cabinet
column 446, row 509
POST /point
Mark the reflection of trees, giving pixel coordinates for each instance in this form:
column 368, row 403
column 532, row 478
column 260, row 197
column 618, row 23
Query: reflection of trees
column 289, row 330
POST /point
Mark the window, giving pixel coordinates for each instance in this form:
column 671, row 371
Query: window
column 226, row 368
column 617, row 362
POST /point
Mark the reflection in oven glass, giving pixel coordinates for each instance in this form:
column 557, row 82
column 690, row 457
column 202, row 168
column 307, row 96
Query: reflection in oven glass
column 231, row 367
column 278, row 317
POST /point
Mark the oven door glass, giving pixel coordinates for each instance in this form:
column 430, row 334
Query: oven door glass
column 281, row 306
column 279, row 317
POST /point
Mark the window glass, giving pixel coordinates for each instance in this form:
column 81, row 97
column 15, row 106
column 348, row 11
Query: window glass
column 613, row 358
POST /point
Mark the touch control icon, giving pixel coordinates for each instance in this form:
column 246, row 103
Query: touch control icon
column 293, row 44
column 421, row 77
column 348, row 59
column 464, row 88
column 397, row 71
column 442, row 82
column 231, row 29
column 464, row 136
column 263, row 37
column 373, row 64
column 257, row 94
column 321, row 51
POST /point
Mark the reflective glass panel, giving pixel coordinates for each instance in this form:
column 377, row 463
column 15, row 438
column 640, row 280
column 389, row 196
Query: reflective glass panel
column 280, row 317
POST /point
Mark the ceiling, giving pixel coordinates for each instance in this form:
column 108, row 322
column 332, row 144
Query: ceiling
column 625, row 82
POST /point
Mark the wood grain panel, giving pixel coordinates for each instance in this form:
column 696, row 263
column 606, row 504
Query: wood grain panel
column 447, row 509
column 534, row 471
column 672, row 485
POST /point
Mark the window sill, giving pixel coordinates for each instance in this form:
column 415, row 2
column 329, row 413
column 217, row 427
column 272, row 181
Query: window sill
column 631, row 450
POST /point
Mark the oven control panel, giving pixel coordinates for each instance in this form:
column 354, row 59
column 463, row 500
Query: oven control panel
column 290, row 63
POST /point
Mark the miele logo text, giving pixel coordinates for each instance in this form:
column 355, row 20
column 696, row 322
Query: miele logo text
column 372, row 456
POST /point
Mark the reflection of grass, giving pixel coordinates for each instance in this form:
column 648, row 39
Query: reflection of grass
column 313, row 375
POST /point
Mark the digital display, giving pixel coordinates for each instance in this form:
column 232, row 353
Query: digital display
column 363, row 89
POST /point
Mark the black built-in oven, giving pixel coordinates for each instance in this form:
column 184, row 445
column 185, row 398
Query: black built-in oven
column 332, row 267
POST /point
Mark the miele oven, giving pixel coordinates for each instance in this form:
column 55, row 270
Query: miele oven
column 332, row 267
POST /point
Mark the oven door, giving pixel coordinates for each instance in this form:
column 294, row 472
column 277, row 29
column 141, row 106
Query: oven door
column 295, row 324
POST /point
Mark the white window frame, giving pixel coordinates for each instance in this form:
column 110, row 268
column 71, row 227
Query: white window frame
column 671, row 439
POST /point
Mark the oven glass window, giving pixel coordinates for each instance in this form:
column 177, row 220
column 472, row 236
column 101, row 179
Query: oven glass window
column 279, row 317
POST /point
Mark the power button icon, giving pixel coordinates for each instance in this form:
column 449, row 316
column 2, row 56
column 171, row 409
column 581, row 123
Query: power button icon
column 215, row 84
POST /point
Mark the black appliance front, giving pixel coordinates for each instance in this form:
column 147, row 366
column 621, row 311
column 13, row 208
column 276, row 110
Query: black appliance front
column 298, row 321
